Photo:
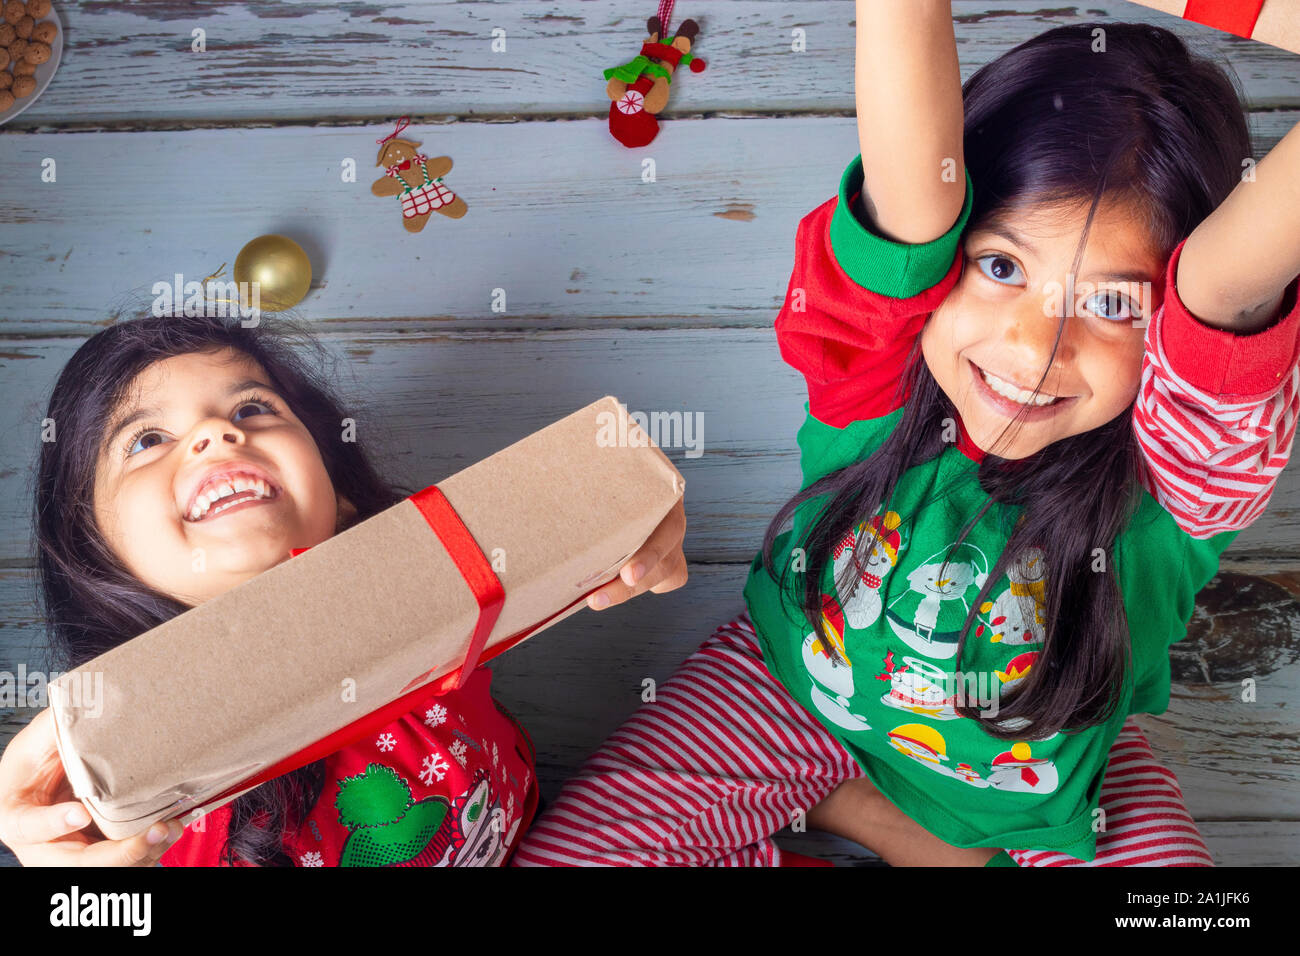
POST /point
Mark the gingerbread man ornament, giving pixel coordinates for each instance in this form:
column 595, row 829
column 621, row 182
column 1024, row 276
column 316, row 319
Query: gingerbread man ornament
column 416, row 180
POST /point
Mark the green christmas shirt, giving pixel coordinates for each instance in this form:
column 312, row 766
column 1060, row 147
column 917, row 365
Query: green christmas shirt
column 898, row 623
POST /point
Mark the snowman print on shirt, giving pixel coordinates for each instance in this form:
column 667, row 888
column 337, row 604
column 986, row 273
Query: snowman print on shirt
column 1017, row 615
column 1019, row 770
column 1016, row 769
column 928, row 617
column 858, row 606
column 860, row 595
column 482, row 821
column 1016, row 672
column 927, row 747
column 922, row 688
column 918, row 686
column 832, row 680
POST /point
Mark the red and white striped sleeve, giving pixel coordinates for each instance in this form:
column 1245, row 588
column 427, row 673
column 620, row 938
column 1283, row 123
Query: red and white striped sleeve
column 1216, row 413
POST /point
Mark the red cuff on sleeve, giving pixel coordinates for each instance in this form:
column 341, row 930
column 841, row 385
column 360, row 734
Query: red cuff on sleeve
column 1223, row 363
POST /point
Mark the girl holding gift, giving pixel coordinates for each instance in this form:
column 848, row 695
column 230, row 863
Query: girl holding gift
column 1049, row 332
column 180, row 436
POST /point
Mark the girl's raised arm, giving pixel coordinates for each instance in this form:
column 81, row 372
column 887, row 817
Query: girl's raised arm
column 1217, row 408
column 1239, row 261
column 869, row 271
column 908, row 87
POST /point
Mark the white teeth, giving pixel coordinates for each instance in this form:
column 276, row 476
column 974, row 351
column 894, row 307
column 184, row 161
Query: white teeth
column 205, row 501
column 1007, row 390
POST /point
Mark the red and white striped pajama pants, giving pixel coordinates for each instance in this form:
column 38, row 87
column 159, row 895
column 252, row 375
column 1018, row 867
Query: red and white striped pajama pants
column 724, row 758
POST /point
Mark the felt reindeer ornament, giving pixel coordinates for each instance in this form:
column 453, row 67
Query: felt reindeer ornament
column 415, row 179
column 639, row 88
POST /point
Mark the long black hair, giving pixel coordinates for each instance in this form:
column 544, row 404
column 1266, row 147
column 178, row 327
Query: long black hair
column 90, row 601
column 1089, row 111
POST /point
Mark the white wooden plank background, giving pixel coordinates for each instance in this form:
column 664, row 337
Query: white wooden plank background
column 662, row 293
column 283, row 60
column 559, row 218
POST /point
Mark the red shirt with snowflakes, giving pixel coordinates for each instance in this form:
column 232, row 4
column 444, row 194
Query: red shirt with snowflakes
column 451, row 783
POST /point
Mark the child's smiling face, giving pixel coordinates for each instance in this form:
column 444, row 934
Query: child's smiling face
column 1004, row 312
column 203, row 418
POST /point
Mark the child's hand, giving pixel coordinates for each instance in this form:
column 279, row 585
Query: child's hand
column 661, row 561
column 36, row 798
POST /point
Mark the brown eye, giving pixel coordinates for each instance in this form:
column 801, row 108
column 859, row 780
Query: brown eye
column 254, row 404
column 137, row 439
column 1001, row 269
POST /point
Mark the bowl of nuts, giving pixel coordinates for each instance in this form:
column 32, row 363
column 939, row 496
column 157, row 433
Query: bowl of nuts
column 31, row 42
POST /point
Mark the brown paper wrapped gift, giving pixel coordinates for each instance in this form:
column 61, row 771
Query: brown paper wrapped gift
column 196, row 711
column 1276, row 22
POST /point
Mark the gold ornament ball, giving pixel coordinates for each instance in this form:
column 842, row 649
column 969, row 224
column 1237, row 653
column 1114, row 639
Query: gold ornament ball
column 280, row 268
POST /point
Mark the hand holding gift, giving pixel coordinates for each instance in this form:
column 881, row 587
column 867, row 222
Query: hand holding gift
column 659, row 566
column 44, row 824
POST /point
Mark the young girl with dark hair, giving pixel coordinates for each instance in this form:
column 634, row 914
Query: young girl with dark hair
column 1048, row 328
column 178, row 436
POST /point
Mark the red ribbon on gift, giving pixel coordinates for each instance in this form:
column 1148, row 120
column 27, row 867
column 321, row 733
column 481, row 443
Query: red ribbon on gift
column 1230, row 16
column 488, row 592
column 474, row 568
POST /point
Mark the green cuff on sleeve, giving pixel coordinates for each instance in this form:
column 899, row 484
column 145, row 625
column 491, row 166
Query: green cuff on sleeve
column 1001, row 858
column 899, row 270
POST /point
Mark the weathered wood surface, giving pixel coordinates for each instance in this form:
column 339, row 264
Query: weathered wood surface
column 662, row 293
column 559, row 218
column 285, row 60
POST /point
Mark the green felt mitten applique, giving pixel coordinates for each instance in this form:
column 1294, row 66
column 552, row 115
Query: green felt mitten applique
column 386, row 825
